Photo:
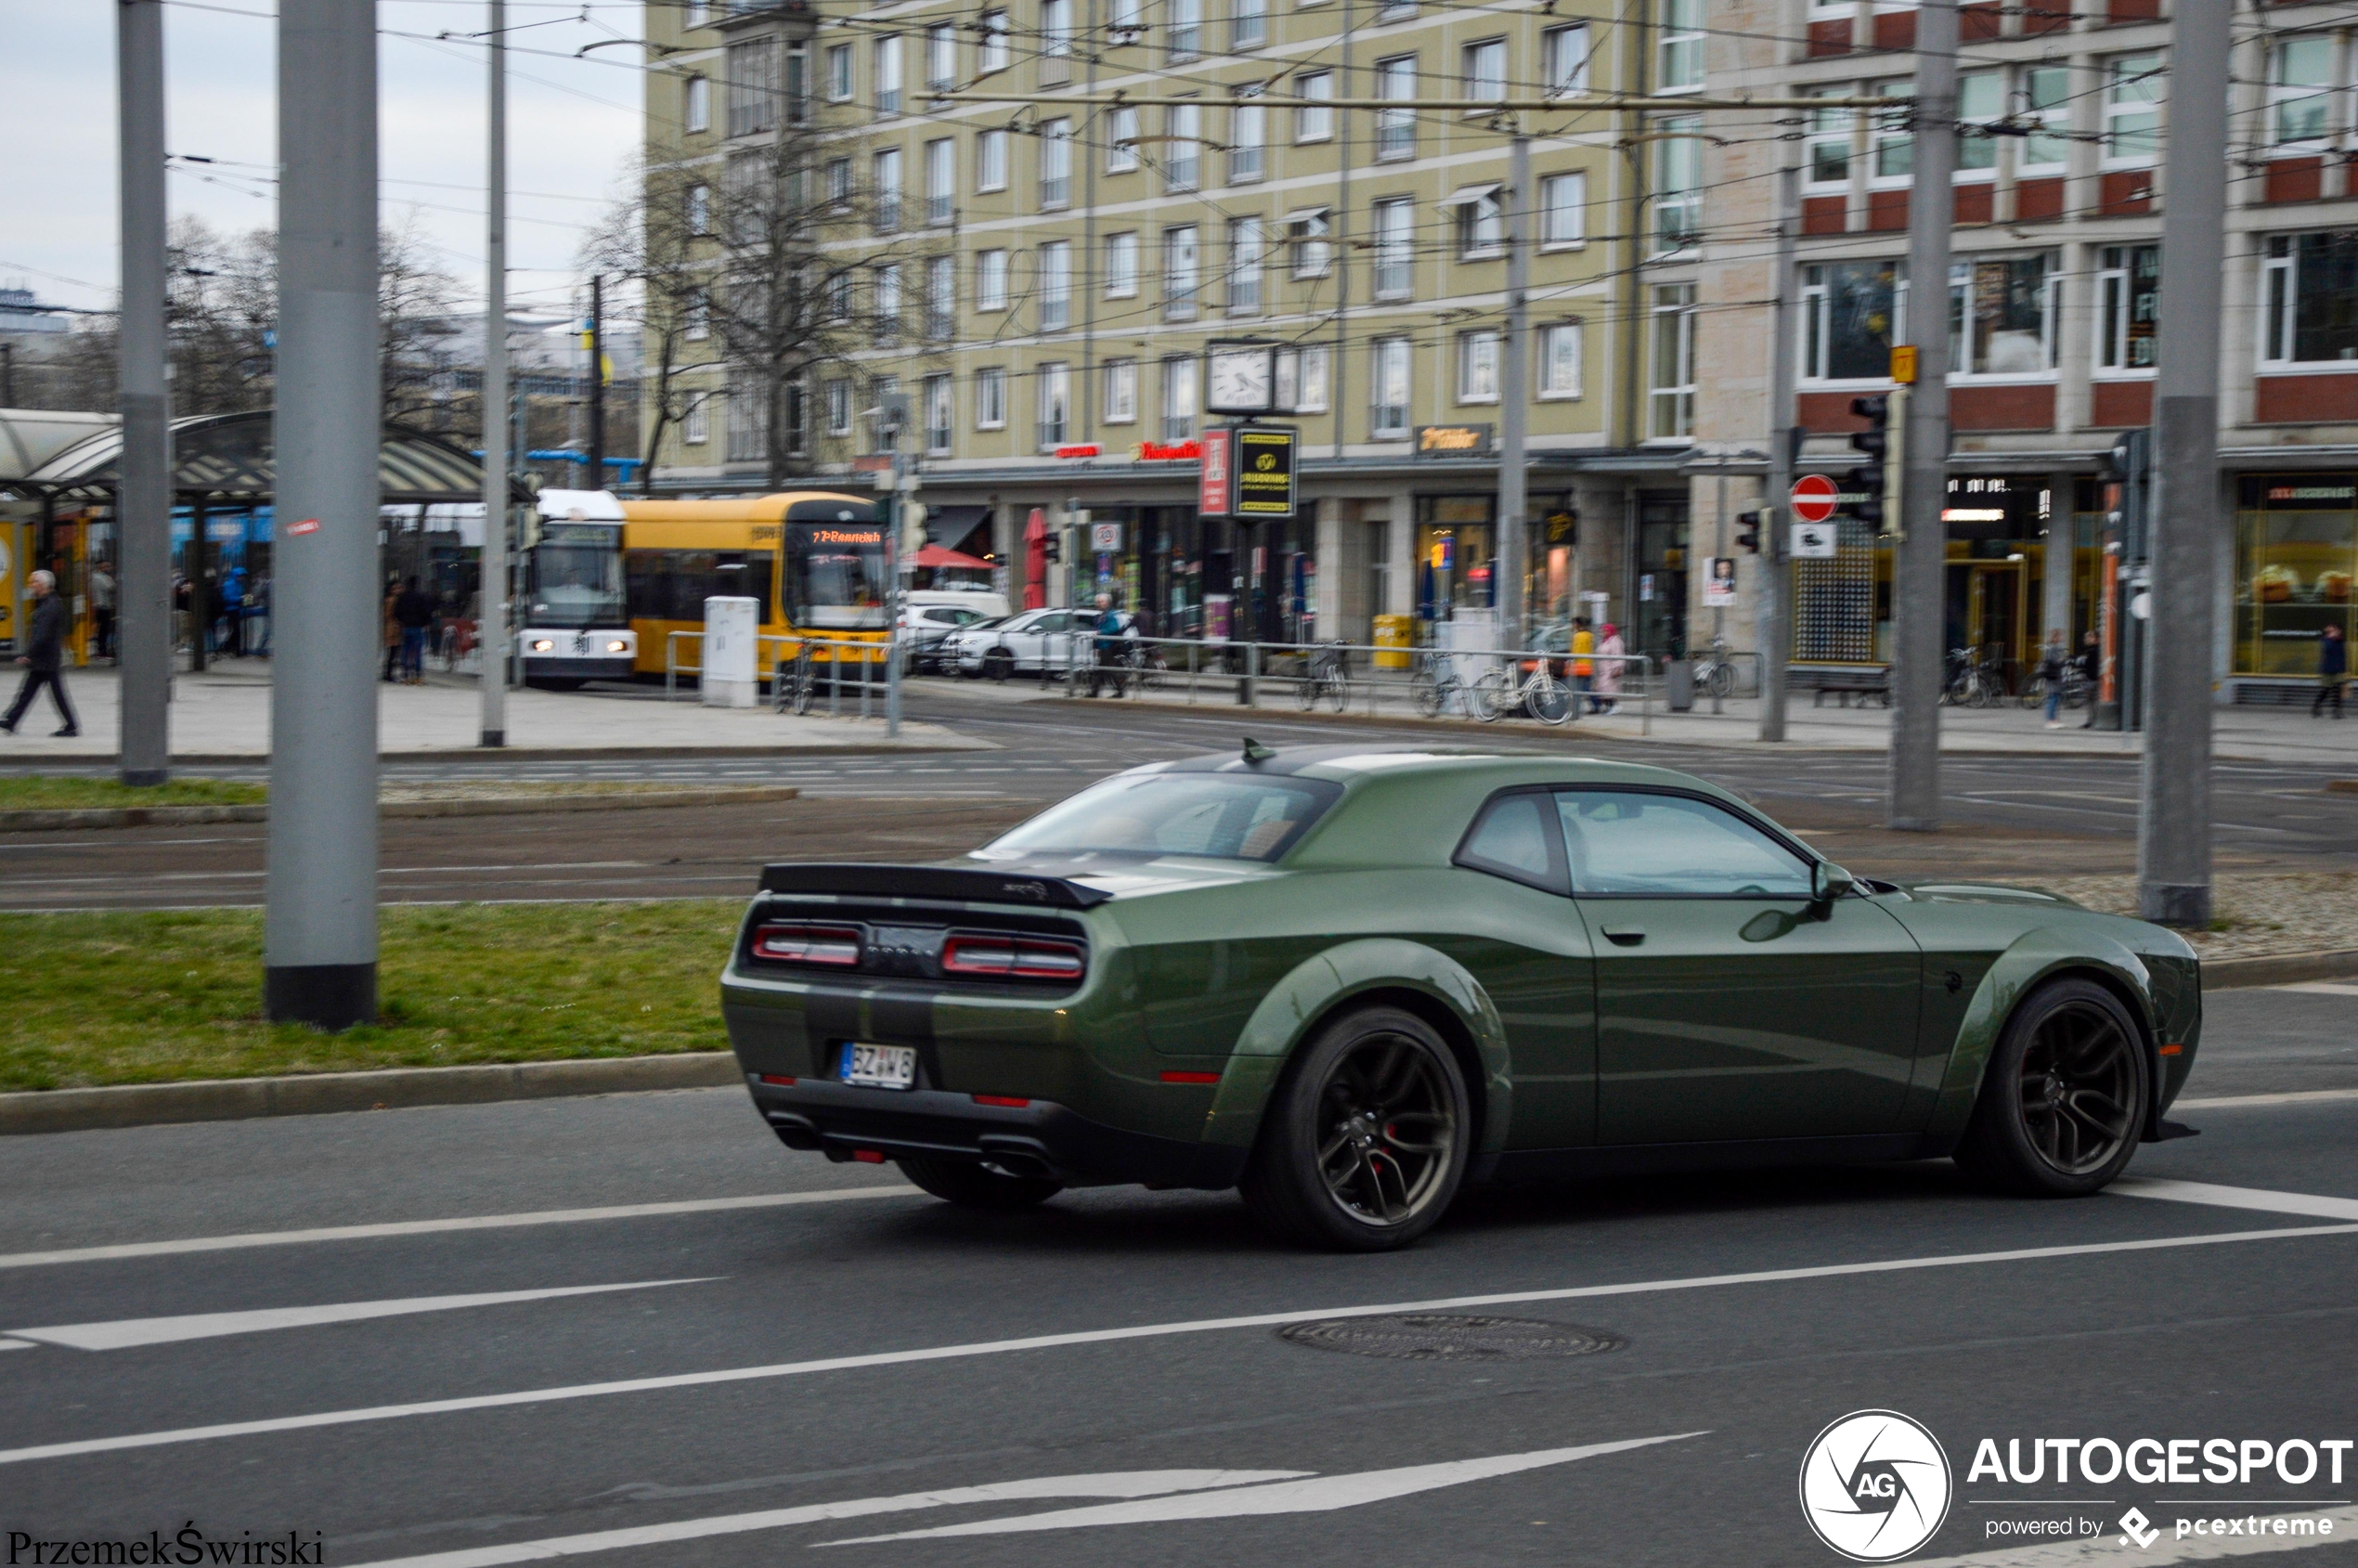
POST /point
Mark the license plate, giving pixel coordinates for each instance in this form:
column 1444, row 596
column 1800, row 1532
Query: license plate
column 880, row 1067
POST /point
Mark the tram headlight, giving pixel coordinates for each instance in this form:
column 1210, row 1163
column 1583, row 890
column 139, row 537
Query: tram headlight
column 618, row 646
column 543, row 645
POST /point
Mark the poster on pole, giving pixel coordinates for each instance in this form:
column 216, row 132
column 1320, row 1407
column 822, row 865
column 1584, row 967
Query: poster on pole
column 1264, row 470
column 1215, row 496
column 1719, row 581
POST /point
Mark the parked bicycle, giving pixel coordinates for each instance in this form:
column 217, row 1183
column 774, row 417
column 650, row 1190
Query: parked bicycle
column 1974, row 679
column 1525, row 684
column 1435, row 687
column 793, row 681
column 1328, row 677
column 1715, row 676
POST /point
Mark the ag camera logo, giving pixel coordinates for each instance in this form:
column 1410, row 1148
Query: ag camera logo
column 1875, row 1485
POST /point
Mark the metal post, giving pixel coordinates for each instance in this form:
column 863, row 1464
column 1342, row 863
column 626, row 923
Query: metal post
column 1920, row 557
column 597, row 382
column 1514, row 406
column 320, row 933
column 491, row 624
column 1773, row 616
column 143, row 495
column 895, row 510
column 2174, row 820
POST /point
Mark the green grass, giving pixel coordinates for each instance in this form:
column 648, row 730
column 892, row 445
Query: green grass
column 156, row 996
column 35, row 793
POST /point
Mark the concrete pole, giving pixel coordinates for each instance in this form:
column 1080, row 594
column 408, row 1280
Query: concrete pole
column 1773, row 616
column 143, row 495
column 1920, row 556
column 2174, row 820
column 491, row 625
column 319, row 932
column 1514, row 403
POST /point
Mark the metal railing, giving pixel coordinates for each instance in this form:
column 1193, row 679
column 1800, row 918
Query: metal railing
column 871, row 664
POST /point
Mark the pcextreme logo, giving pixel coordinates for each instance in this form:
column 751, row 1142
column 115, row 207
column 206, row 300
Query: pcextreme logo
column 1875, row 1485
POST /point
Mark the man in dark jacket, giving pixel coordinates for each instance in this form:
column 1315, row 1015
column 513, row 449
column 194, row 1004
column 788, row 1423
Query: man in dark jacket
column 413, row 612
column 43, row 655
column 2333, row 665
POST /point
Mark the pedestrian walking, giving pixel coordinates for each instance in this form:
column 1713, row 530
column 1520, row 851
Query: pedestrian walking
column 413, row 612
column 103, row 609
column 43, row 656
column 233, row 613
column 1609, row 651
column 391, row 630
column 2052, row 665
column 2333, row 665
column 2091, row 664
column 1107, row 663
column 1584, row 672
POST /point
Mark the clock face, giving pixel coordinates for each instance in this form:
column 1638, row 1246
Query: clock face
column 1241, row 381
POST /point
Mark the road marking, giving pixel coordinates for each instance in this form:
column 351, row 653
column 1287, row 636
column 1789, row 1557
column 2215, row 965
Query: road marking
column 2291, row 1097
column 2105, row 1549
column 432, row 1228
column 129, row 1333
column 1115, row 1483
column 1320, row 1496
column 1108, row 1336
column 2320, row 988
column 2311, row 1204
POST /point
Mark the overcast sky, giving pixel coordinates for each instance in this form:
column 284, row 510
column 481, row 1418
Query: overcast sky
column 571, row 122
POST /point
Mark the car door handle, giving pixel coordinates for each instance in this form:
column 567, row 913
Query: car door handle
column 1625, row 936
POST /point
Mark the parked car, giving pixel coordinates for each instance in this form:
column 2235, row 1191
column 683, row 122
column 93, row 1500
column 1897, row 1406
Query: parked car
column 1035, row 642
column 925, row 628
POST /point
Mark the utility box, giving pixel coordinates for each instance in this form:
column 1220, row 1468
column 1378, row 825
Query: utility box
column 732, row 627
column 1679, row 685
column 1395, row 635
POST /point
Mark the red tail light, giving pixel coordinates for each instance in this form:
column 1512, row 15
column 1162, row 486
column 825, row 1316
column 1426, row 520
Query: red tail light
column 1191, row 1077
column 834, row 947
column 1008, row 1100
column 996, row 956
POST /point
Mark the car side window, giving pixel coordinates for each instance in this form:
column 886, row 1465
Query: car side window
column 1516, row 838
column 1633, row 842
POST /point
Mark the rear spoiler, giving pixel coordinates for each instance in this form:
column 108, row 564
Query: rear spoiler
column 929, row 882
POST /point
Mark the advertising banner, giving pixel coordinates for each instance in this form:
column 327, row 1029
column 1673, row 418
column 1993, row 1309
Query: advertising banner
column 1264, row 470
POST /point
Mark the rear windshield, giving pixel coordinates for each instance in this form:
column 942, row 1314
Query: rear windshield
column 1220, row 816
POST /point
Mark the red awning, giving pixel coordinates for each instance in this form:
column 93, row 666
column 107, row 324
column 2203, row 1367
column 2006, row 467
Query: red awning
column 937, row 555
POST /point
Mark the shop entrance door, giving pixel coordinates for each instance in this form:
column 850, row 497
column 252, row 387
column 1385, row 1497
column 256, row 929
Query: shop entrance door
column 1661, row 577
column 1990, row 612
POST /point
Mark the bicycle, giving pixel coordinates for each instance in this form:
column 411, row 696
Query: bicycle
column 1433, row 690
column 1972, row 681
column 1502, row 691
column 1329, row 678
column 792, row 684
column 1716, row 677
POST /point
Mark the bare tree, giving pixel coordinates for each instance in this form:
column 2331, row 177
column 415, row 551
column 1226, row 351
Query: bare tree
column 647, row 242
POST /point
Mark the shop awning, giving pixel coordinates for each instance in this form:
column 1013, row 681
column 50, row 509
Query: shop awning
column 934, row 555
column 1466, row 194
column 951, row 525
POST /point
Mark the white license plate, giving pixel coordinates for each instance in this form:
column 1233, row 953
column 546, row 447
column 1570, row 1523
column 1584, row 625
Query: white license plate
column 880, row 1067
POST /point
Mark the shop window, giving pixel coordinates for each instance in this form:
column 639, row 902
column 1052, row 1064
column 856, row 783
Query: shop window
column 1849, row 319
column 2296, row 558
column 2127, row 301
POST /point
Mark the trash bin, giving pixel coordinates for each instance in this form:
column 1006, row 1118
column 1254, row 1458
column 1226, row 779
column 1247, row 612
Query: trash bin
column 1395, row 635
column 1679, row 685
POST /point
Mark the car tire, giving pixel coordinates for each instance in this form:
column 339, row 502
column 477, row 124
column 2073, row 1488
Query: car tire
column 1368, row 1078
column 971, row 1185
column 997, row 665
column 2064, row 1098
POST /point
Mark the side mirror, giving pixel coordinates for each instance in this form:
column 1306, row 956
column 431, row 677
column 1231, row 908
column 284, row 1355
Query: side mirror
column 1828, row 882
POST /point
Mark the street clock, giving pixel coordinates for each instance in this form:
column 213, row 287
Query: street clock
column 1240, row 378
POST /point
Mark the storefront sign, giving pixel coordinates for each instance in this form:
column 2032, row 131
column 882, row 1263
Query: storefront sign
column 1091, row 450
column 1264, row 470
column 1167, row 451
column 1453, row 440
column 1718, row 581
column 1215, row 494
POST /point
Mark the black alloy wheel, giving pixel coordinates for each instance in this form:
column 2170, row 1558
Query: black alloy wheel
column 2063, row 1099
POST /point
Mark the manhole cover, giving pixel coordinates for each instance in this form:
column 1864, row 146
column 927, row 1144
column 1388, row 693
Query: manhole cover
column 1419, row 1336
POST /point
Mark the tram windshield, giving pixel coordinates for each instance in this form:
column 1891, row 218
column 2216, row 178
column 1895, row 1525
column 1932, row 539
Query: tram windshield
column 836, row 576
column 577, row 576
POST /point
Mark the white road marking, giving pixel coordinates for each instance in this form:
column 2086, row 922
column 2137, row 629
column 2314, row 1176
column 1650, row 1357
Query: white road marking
column 1109, row 1336
column 2320, row 988
column 126, row 1333
column 2105, row 1549
column 1320, row 1496
column 2291, row 1097
column 431, row 1227
column 2210, row 1193
column 15, row 1345
column 1116, row 1483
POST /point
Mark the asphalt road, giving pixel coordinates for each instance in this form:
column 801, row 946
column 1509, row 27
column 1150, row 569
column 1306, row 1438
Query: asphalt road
column 2007, row 816
column 1751, row 1311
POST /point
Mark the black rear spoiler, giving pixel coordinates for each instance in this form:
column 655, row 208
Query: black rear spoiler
column 929, row 882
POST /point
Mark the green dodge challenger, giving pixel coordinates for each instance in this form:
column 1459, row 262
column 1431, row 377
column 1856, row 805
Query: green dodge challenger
column 1349, row 980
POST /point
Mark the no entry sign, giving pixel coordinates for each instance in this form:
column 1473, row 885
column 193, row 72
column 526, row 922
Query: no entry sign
column 1813, row 498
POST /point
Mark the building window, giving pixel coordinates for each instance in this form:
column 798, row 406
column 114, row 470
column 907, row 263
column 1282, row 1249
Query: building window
column 1678, row 47
column 942, row 180
column 888, row 302
column 991, row 160
column 1478, row 368
column 1121, row 392
column 1244, row 244
column 839, row 74
column 1981, row 100
column 1564, row 57
column 1388, row 389
column 1893, row 134
column 694, row 423
column 1056, row 163
column 888, row 73
column 1182, row 155
column 1395, row 10
column 2299, row 71
column 697, row 13
column 1056, row 30
column 996, row 48
column 1301, row 379
column 942, row 55
column 2001, row 315
column 1480, row 223
column 696, row 104
column 1186, row 29
column 1396, row 128
column 840, row 183
column 2310, row 314
column 1483, row 66
column 753, row 86
column 1849, row 319
column 838, row 407
column 838, row 291
column 697, row 319
column 1121, row 141
column 991, row 280
column 886, row 173
column 1247, row 134
column 1679, row 183
column 939, row 413
column 1564, row 208
column 1825, row 156
column 1559, row 360
column 1310, row 232
column 941, row 297
column 1121, row 266
column 1314, row 118
column 1247, row 23
column 1396, row 249
column 2128, row 307
column 1179, row 397
column 1180, row 272
column 1128, row 17
column 699, row 209
column 2132, row 110
column 991, row 399
column 1055, row 286
column 1670, row 397
column 2046, row 104
column 1055, row 385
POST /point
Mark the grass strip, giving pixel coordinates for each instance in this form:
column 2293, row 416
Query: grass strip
column 158, row 996
column 44, row 793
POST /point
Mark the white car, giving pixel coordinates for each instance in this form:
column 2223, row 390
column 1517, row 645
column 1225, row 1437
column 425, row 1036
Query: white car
column 1035, row 642
column 925, row 628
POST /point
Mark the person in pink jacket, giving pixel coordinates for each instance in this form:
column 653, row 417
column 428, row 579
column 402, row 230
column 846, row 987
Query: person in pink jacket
column 1608, row 686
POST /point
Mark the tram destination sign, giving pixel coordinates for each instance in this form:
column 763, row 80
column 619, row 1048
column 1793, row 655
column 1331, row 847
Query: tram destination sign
column 1264, row 470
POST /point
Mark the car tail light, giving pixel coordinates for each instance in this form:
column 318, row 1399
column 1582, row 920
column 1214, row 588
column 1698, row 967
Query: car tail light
column 1008, row 1100
column 2177, row 1050
column 1008, row 956
column 832, row 947
column 1191, row 1077
column 868, row 1156
column 783, row 1083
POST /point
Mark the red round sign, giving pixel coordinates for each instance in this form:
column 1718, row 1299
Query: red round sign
column 1813, row 498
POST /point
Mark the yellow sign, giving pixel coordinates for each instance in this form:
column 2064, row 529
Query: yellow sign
column 1903, row 364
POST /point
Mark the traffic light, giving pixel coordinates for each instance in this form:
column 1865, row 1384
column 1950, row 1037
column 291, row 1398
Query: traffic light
column 1748, row 530
column 1866, row 481
column 2129, row 465
column 1055, row 547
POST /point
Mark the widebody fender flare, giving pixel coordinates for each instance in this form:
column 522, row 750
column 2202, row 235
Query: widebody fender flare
column 1312, row 989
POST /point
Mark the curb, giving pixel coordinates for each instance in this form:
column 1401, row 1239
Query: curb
column 483, row 806
column 25, row 762
column 2233, row 974
column 237, row 1099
